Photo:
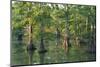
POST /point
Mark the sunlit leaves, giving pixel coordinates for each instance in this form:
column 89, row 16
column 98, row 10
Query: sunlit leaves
column 75, row 18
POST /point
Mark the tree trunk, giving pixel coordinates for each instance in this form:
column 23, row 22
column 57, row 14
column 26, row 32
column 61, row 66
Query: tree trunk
column 30, row 41
column 42, row 47
column 66, row 35
column 57, row 36
column 76, row 32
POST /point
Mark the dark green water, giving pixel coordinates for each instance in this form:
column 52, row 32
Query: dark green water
column 54, row 54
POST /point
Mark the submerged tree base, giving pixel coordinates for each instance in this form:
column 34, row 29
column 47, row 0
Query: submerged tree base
column 42, row 51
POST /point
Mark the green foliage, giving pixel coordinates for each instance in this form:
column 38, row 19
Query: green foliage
column 77, row 21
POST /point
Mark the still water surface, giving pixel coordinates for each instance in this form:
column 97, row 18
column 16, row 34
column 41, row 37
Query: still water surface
column 54, row 54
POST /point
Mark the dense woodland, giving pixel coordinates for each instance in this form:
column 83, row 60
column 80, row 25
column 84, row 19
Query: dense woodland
column 60, row 29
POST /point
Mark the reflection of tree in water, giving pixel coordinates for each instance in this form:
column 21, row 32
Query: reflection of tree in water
column 42, row 58
column 42, row 51
column 30, row 55
column 30, row 50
